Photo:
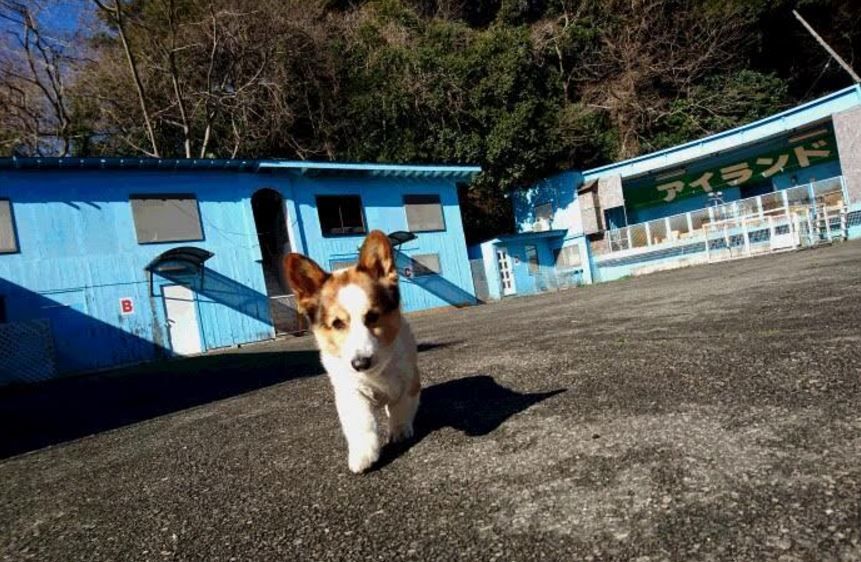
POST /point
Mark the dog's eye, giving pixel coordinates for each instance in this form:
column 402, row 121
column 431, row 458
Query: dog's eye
column 371, row 318
column 338, row 324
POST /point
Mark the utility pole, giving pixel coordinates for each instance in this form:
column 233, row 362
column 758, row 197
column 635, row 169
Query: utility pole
column 825, row 46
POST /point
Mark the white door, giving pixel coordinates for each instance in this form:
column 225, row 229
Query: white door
column 181, row 319
column 506, row 276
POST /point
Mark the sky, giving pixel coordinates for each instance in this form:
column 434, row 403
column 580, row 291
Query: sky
column 66, row 15
column 60, row 17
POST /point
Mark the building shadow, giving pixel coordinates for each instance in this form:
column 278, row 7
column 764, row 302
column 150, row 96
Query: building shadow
column 213, row 287
column 55, row 411
column 42, row 414
column 432, row 282
column 475, row 405
column 72, row 340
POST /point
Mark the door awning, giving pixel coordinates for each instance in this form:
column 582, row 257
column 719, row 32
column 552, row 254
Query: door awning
column 185, row 260
column 399, row 237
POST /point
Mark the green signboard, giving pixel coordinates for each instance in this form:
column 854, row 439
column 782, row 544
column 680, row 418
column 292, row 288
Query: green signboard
column 802, row 151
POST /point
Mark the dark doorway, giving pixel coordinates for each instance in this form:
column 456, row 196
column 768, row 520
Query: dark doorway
column 268, row 207
column 271, row 223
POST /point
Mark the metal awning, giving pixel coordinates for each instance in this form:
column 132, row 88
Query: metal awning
column 399, row 237
column 185, row 260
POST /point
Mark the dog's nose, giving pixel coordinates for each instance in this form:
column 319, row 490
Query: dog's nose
column 361, row 363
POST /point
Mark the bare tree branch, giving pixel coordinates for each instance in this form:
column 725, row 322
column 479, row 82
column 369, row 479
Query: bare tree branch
column 116, row 13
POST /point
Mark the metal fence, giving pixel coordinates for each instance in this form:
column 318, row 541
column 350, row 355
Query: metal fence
column 553, row 278
column 819, row 206
column 26, row 352
column 795, row 227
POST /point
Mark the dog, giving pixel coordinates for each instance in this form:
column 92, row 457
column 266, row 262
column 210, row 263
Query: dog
column 366, row 345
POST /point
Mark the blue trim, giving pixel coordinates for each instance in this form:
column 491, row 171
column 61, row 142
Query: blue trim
column 126, row 163
column 401, row 170
column 381, row 170
column 526, row 236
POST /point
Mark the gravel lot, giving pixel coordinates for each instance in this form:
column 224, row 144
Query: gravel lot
column 707, row 413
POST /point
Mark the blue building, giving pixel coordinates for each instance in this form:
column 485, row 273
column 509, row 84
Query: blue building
column 786, row 181
column 106, row 262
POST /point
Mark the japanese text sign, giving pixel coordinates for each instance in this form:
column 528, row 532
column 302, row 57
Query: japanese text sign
column 813, row 148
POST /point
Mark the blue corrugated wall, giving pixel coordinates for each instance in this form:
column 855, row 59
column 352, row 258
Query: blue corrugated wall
column 79, row 254
column 384, row 209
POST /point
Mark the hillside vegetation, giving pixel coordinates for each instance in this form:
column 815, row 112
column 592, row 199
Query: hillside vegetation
column 521, row 87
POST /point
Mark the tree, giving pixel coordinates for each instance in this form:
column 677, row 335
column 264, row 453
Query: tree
column 521, row 87
column 35, row 115
column 213, row 78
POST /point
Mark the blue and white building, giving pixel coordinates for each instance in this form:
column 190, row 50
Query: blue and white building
column 105, row 262
column 786, row 181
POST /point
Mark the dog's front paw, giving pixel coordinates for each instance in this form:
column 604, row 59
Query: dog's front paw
column 361, row 459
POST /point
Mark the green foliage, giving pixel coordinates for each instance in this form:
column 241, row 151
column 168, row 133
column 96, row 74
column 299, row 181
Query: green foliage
column 521, row 87
column 721, row 102
column 444, row 92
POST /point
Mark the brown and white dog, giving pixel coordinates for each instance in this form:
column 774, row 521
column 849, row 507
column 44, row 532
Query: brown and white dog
column 366, row 346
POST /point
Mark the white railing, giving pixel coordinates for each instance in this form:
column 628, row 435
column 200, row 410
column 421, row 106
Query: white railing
column 823, row 196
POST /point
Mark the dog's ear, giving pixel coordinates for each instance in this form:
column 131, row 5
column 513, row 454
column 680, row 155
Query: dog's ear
column 377, row 259
column 306, row 278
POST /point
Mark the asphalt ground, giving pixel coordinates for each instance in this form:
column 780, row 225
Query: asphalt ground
column 710, row 413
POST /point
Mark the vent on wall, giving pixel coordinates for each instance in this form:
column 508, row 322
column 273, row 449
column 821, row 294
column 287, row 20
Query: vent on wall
column 541, row 225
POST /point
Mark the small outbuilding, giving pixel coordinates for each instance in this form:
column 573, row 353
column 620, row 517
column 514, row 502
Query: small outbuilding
column 111, row 261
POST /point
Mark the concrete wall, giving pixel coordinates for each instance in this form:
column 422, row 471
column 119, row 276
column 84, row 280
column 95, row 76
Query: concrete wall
column 847, row 129
column 487, row 251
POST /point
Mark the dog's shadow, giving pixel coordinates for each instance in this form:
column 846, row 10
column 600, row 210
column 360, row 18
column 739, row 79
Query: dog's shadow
column 475, row 405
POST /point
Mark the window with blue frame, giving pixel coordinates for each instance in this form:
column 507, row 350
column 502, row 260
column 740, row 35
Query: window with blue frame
column 340, row 215
column 615, row 218
column 8, row 242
